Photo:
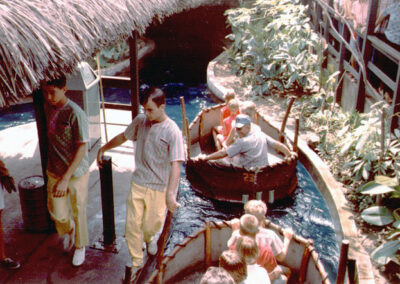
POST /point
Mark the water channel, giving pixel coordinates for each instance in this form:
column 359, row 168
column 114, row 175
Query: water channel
column 306, row 211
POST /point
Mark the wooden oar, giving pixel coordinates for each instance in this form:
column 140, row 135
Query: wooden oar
column 142, row 275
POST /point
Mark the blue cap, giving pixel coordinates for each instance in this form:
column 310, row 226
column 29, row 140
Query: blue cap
column 241, row 120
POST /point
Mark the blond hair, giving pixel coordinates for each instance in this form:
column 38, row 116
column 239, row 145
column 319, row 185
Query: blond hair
column 232, row 262
column 257, row 208
column 249, row 225
column 249, row 108
column 247, row 248
column 233, row 104
column 229, row 96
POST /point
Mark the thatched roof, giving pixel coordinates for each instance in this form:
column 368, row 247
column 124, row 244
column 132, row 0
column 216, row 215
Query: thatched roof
column 41, row 38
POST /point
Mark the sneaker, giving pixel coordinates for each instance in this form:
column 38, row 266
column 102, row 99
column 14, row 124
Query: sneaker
column 79, row 256
column 152, row 247
column 69, row 240
column 10, row 264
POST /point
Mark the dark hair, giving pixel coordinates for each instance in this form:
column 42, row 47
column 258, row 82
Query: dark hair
column 216, row 275
column 232, row 262
column 59, row 82
column 155, row 94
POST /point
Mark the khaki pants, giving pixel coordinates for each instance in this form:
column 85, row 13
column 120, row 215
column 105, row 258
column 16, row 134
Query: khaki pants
column 145, row 212
column 59, row 208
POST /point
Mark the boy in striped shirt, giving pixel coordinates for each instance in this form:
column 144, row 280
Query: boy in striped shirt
column 158, row 157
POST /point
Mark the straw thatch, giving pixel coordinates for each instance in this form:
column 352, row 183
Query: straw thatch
column 39, row 39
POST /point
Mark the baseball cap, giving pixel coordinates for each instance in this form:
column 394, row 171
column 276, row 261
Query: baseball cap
column 241, row 120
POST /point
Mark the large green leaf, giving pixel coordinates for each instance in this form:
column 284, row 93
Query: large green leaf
column 376, row 188
column 386, row 252
column 377, row 215
column 386, row 180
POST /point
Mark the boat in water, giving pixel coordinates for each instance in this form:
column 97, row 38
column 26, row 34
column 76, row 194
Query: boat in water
column 226, row 182
column 188, row 261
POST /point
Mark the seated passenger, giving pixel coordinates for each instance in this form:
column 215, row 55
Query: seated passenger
column 216, row 275
column 258, row 209
column 249, row 226
column 225, row 111
column 249, row 108
column 247, row 248
column 251, row 147
column 234, row 265
column 221, row 133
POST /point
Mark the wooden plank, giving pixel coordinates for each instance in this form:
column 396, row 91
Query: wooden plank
column 116, row 82
column 333, row 51
column 385, row 48
column 382, row 76
column 350, row 69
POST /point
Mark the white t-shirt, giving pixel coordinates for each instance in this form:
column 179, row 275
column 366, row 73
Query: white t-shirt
column 256, row 275
column 1, row 197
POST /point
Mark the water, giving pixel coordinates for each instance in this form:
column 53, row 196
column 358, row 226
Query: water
column 307, row 212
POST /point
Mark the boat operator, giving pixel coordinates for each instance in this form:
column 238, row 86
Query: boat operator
column 251, row 148
column 158, row 157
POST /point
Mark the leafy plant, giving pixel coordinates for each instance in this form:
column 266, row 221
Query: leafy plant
column 382, row 216
column 274, row 46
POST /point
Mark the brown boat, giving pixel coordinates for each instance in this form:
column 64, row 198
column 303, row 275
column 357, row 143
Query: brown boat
column 226, row 182
column 188, row 260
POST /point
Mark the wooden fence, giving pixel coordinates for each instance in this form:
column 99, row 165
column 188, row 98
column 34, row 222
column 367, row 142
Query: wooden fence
column 376, row 53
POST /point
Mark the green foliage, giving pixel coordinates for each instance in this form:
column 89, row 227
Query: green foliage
column 377, row 215
column 274, row 46
column 386, row 252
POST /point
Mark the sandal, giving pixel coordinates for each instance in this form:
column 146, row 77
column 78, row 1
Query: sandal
column 8, row 263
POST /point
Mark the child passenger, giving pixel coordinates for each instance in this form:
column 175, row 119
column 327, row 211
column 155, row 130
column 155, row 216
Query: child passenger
column 216, row 275
column 231, row 261
column 247, row 248
column 266, row 237
column 222, row 133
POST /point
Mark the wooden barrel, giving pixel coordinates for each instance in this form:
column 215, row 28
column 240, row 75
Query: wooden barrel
column 32, row 194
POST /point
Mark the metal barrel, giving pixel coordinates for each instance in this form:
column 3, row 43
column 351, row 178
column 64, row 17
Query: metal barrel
column 32, row 194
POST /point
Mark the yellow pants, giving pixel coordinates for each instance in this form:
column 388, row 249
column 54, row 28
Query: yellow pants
column 145, row 212
column 59, row 208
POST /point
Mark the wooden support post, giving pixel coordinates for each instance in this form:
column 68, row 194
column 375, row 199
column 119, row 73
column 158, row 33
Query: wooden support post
column 394, row 121
column 207, row 245
column 342, row 54
column 342, row 262
column 107, row 200
column 134, row 72
column 366, row 53
column 38, row 104
column 183, row 109
column 304, row 262
column 281, row 135
column 296, row 136
column 185, row 127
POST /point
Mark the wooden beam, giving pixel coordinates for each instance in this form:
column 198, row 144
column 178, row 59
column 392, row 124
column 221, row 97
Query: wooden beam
column 342, row 54
column 134, row 72
column 366, row 52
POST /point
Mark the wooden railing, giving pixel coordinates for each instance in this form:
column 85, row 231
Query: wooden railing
column 366, row 73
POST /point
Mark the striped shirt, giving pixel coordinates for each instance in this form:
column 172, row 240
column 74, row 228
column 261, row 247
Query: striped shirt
column 67, row 129
column 157, row 145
